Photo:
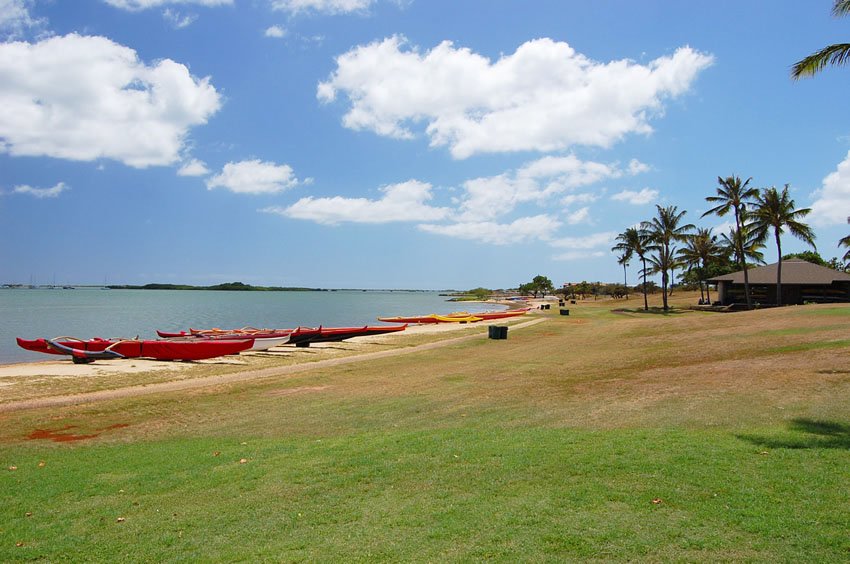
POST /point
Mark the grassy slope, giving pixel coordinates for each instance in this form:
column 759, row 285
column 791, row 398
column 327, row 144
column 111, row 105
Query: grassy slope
column 551, row 445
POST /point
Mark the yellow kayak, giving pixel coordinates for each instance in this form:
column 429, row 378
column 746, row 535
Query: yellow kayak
column 456, row 319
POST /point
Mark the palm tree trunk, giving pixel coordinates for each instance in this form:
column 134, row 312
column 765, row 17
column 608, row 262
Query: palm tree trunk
column 645, row 303
column 625, row 281
column 707, row 289
column 664, row 288
column 743, row 260
column 778, row 270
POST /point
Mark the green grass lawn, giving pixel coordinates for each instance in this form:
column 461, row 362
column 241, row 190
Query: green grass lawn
column 594, row 436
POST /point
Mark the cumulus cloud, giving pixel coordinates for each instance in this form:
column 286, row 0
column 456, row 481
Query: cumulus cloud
column 537, row 181
column 322, row 6
column 524, row 229
column 275, row 31
column 406, row 201
column 832, row 201
column 194, row 167
column 645, row 196
column 254, row 177
column 137, row 5
column 543, row 97
column 83, row 98
column 41, row 192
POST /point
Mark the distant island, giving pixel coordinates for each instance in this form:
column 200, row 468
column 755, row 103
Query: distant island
column 229, row 286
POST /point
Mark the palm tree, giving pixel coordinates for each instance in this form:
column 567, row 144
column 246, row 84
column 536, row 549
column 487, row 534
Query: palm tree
column 830, row 55
column 750, row 246
column 733, row 195
column 664, row 231
column 624, row 260
column 845, row 242
column 775, row 211
column 635, row 241
column 700, row 249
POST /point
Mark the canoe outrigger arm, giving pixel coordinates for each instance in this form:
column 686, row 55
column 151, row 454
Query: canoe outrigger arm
column 81, row 356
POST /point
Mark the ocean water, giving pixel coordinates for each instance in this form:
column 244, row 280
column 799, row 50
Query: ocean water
column 90, row 312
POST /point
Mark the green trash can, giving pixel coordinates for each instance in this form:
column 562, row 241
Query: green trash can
column 498, row 332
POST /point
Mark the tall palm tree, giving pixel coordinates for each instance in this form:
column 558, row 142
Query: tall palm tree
column 774, row 211
column 845, row 242
column 700, row 249
column 664, row 232
column 734, row 195
column 837, row 54
column 636, row 241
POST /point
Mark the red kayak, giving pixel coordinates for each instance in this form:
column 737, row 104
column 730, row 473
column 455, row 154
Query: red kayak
column 84, row 351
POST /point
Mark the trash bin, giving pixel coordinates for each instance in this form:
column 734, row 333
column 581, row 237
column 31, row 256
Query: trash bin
column 572, row 302
column 565, row 311
column 498, row 332
column 547, row 306
column 561, row 303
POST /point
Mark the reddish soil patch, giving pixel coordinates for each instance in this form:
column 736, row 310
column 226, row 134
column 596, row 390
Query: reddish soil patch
column 58, row 436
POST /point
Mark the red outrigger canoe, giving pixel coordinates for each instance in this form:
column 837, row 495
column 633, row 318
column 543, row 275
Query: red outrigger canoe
column 300, row 336
column 85, row 351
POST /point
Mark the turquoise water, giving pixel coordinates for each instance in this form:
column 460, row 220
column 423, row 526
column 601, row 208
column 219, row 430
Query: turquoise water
column 89, row 312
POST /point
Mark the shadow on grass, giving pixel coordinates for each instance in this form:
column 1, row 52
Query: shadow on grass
column 809, row 433
column 652, row 310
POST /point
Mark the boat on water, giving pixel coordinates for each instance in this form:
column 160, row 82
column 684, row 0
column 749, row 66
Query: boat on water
column 85, row 351
column 457, row 317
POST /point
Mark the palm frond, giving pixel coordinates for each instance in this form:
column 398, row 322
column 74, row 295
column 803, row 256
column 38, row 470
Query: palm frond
column 841, row 8
column 835, row 55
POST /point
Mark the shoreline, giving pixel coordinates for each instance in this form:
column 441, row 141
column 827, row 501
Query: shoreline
column 63, row 368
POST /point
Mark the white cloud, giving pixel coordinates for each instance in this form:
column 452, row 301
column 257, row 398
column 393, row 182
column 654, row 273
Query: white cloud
column 832, row 201
column 42, row 192
column 136, row 5
column 537, row 181
column 254, row 177
column 15, row 17
column 194, row 167
column 644, row 196
column 275, row 31
column 322, row 6
column 401, row 202
column 543, row 97
column 588, row 242
column 579, row 255
column 524, row 229
column 637, row 167
column 579, row 216
column 84, row 98
column 178, row 20
column 585, row 198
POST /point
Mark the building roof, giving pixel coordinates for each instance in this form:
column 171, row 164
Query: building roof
column 794, row 271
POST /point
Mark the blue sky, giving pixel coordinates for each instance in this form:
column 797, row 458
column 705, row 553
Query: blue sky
column 397, row 143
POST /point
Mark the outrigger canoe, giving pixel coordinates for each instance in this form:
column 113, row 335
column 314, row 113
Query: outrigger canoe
column 300, row 336
column 85, row 351
column 457, row 317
